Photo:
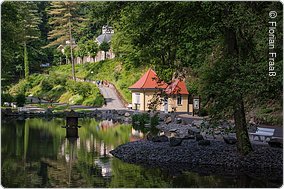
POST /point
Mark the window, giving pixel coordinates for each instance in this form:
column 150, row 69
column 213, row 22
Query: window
column 137, row 98
column 179, row 99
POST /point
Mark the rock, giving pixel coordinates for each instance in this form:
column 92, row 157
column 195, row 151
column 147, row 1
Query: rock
column 184, row 122
column 204, row 142
column 168, row 120
column 161, row 119
column 178, row 121
column 172, row 130
column 188, row 137
column 217, row 132
column 127, row 114
column 48, row 111
column 173, row 134
column 121, row 113
column 190, row 132
column 276, row 143
column 162, row 138
column 149, row 136
column 147, row 125
column 199, row 137
column 230, row 140
column 175, row 141
column 127, row 119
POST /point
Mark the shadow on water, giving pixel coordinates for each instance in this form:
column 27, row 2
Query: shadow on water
column 36, row 153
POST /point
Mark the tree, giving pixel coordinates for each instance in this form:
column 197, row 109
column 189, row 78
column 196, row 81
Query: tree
column 30, row 28
column 64, row 21
column 224, row 45
column 92, row 48
column 104, row 46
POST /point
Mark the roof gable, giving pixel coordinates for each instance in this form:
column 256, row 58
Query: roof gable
column 177, row 87
column 149, row 81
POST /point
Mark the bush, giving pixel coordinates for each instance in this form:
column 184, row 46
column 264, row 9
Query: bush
column 76, row 99
column 20, row 88
column 20, row 99
column 154, row 121
column 6, row 97
column 94, row 101
column 203, row 112
column 143, row 118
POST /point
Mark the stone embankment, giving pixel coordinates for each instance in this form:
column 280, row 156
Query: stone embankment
column 115, row 115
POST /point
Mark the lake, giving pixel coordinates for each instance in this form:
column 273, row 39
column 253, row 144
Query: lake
column 36, row 153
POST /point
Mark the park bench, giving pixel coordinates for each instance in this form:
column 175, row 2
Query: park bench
column 262, row 134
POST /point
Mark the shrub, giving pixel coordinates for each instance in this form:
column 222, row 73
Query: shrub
column 20, row 88
column 76, row 99
column 143, row 118
column 154, row 121
column 94, row 101
column 20, row 99
column 6, row 97
column 203, row 112
column 46, row 84
column 64, row 98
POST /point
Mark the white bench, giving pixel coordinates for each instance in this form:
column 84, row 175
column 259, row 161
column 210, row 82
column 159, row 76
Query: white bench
column 262, row 133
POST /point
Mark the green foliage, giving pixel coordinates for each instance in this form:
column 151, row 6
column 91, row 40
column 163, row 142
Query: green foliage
column 203, row 112
column 143, row 118
column 97, row 100
column 76, row 99
column 20, row 88
column 154, row 120
column 20, row 99
column 6, row 97
column 104, row 46
column 110, row 70
column 57, row 88
column 91, row 47
column 83, row 89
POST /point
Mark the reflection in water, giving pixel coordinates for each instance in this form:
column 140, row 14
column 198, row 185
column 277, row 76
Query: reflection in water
column 35, row 153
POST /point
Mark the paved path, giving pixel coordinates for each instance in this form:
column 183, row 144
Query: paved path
column 112, row 99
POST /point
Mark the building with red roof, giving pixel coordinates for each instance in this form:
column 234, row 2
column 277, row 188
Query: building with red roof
column 175, row 94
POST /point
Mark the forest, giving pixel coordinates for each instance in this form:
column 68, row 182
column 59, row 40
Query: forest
column 220, row 48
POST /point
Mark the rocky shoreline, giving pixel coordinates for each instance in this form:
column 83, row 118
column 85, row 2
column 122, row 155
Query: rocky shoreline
column 216, row 158
column 209, row 156
column 115, row 115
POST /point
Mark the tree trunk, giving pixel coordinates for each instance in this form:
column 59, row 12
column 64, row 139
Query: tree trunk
column 71, row 52
column 243, row 144
column 26, row 61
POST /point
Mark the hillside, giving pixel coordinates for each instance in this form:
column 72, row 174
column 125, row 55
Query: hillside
column 57, row 88
column 114, row 71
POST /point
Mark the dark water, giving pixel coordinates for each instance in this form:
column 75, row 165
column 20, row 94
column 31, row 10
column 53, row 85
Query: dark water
column 35, row 153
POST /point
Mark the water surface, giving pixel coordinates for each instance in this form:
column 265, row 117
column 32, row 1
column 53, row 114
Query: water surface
column 36, row 153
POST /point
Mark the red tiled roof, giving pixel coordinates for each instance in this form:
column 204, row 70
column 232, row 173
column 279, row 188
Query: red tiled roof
column 176, row 87
column 149, row 81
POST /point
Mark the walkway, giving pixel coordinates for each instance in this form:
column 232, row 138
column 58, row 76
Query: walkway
column 112, row 99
